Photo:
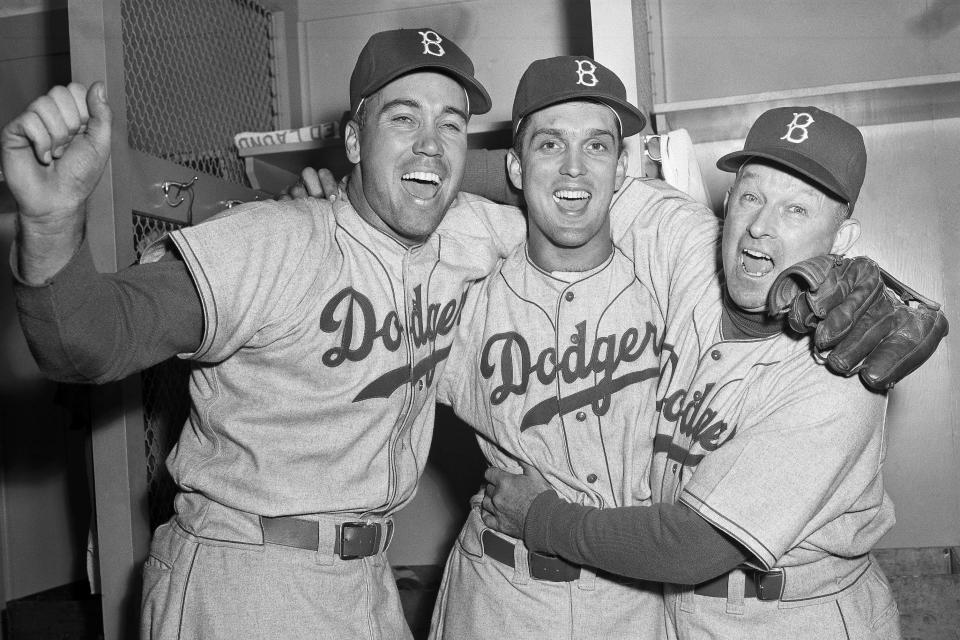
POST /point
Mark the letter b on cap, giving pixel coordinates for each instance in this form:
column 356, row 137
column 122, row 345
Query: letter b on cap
column 797, row 129
column 431, row 43
column 586, row 73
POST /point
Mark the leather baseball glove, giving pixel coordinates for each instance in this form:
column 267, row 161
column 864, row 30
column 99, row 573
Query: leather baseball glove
column 861, row 314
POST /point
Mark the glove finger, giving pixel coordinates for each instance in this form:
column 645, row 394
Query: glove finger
column 904, row 351
column 796, row 279
column 856, row 346
column 860, row 306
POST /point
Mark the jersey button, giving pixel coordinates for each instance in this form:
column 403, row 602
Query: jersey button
column 575, row 339
column 715, row 354
column 675, row 467
column 420, row 386
column 581, row 416
column 592, row 478
column 569, row 296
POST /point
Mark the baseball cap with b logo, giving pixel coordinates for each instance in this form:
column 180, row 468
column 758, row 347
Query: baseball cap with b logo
column 816, row 144
column 391, row 54
column 565, row 78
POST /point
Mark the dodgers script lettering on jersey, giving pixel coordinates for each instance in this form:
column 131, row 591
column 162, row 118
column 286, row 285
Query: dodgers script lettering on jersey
column 508, row 353
column 699, row 428
column 352, row 314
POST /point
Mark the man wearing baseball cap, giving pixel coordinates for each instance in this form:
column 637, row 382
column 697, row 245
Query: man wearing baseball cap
column 754, row 438
column 316, row 334
column 557, row 355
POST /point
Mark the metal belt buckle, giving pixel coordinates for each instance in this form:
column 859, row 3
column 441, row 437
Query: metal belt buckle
column 359, row 539
column 551, row 568
column 769, row 584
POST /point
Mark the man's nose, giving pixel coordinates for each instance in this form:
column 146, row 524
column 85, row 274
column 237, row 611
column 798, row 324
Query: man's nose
column 764, row 222
column 428, row 142
column 573, row 165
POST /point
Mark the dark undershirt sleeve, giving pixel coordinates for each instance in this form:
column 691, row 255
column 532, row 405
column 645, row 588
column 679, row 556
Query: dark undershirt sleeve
column 486, row 175
column 661, row 543
column 84, row 326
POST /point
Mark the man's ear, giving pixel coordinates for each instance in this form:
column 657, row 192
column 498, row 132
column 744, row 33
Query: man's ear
column 514, row 169
column 622, row 163
column 847, row 234
column 351, row 141
column 726, row 199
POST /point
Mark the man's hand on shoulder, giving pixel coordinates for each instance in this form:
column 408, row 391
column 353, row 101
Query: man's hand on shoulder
column 313, row 183
column 861, row 314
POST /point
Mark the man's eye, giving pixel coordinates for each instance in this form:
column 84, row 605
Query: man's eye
column 597, row 147
column 454, row 127
column 797, row 210
column 549, row 145
column 402, row 119
column 749, row 197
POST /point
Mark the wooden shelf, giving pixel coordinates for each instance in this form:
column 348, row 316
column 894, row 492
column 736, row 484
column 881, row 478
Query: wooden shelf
column 863, row 104
column 273, row 168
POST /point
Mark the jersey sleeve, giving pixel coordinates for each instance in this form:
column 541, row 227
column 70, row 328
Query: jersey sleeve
column 252, row 266
column 486, row 175
column 672, row 239
column 85, row 326
column 805, row 456
column 661, row 542
column 483, row 232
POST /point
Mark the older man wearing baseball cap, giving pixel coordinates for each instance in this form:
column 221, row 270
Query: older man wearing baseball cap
column 316, row 334
column 754, row 438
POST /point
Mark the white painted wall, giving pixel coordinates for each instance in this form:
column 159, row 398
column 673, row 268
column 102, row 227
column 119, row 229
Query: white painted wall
column 713, row 49
column 501, row 36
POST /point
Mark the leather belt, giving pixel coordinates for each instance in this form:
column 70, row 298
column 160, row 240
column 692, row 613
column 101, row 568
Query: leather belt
column 542, row 566
column 762, row 585
column 352, row 540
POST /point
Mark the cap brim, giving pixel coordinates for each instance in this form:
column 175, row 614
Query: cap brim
column 631, row 119
column 479, row 98
column 790, row 159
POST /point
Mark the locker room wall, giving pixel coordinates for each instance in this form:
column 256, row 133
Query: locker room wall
column 44, row 508
column 712, row 49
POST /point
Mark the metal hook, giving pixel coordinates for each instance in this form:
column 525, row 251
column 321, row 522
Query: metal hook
column 646, row 147
column 180, row 186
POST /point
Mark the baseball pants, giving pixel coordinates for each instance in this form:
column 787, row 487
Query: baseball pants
column 862, row 610
column 482, row 597
column 202, row 586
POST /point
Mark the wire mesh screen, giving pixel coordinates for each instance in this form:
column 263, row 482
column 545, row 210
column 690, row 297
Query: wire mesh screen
column 166, row 401
column 197, row 72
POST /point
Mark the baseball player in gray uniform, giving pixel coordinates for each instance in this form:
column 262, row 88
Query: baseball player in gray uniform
column 318, row 333
column 753, row 435
column 557, row 354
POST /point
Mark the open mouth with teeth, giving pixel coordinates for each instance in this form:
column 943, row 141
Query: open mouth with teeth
column 422, row 185
column 755, row 263
column 571, row 199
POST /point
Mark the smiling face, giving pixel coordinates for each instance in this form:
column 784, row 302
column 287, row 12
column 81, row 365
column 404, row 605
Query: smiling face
column 411, row 151
column 774, row 220
column 569, row 166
